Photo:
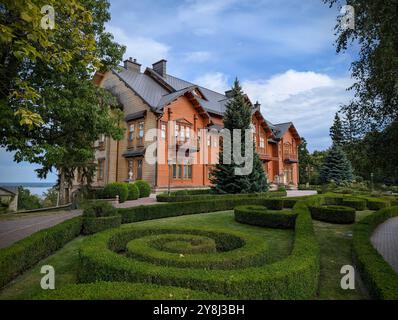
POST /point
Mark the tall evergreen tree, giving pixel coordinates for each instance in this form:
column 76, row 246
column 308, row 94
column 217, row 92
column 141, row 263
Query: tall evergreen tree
column 336, row 131
column 238, row 115
column 336, row 167
column 305, row 162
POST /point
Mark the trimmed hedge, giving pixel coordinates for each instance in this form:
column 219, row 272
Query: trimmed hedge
column 377, row 204
column 120, row 189
column 144, row 188
column 94, row 225
column 157, row 211
column 378, row 276
column 164, row 197
column 333, row 214
column 289, row 203
column 295, row 277
column 134, row 192
column 125, row 291
column 357, row 204
column 261, row 216
column 25, row 253
column 184, row 244
column 333, row 201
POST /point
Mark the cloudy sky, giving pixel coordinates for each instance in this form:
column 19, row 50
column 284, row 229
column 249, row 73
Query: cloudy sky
column 281, row 50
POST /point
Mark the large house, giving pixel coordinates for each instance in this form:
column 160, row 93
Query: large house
column 152, row 99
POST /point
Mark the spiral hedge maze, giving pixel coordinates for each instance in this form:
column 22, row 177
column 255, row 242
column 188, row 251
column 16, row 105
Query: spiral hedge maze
column 213, row 260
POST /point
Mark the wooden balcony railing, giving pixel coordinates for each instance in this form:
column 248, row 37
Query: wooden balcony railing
column 290, row 157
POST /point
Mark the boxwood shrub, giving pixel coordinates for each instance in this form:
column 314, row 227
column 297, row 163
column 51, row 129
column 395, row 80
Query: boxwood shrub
column 144, row 188
column 134, row 192
column 125, row 291
column 377, row 204
column 261, row 216
column 182, row 197
column 25, row 253
column 357, row 204
column 120, row 189
column 379, row 277
column 165, row 210
column 333, row 214
column 99, row 216
column 295, row 277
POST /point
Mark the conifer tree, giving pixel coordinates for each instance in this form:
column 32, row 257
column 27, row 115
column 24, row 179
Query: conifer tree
column 238, row 115
column 336, row 167
column 336, row 131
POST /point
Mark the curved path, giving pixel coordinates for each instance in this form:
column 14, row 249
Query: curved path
column 385, row 240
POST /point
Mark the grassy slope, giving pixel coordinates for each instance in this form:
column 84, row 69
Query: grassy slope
column 335, row 243
column 65, row 261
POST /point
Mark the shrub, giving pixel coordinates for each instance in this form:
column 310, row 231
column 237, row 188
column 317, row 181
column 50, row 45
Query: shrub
column 125, row 291
column 120, row 189
column 134, row 192
column 379, row 277
column 99, row 216
column 158, row 211
column 144, row 188
column 334, row 201
column 357, row 204
column 25, row 253
column 295, row 277
column 377, row 204
column 289, row 203
column 261, row 216
column 333, row 214
column 97, row 209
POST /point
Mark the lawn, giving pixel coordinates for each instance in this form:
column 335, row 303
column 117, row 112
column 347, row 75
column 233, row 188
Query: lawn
column 65, row 261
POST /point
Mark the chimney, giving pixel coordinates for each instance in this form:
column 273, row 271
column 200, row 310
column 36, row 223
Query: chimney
column 229, row 93
column 160, row 67
column 257, row 105
column 132, row 65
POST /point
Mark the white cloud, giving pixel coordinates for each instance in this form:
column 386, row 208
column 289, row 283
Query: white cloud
column 216, row 81
column 198, row 56
column 309, row 99
column 145, row 50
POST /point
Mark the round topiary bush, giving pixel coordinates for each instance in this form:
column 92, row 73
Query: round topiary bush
column 261, row 216
column 357, row 204
column 144, row 188
column 120, row 189
column 333, row 214
column 134, row 192
column 99, row 216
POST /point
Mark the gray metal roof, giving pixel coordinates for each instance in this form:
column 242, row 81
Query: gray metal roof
column 158, row 91
column 13, row 190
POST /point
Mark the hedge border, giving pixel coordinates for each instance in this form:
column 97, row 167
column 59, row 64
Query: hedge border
column 262, row 217
column 25, row 253
column 333, row 214
column 125, row 291
column 97, row 224
column 357, row 204
column 164, row 197
column 379, row 277
column 295, row 277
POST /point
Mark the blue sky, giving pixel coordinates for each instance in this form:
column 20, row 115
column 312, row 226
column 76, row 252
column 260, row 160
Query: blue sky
column 282, row 51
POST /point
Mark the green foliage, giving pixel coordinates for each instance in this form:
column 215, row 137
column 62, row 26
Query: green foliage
column 25, row 253
column 376, row 204
column 184, row 244
column 333, row 214
column 50, row 197
column 357, row 204
column 336, row 131
column 125, row 291
column 305, row 162
column 27, row 201
column 295, row 277
column 98, row 216
column 261, row 216
column 99, row 209
column 379, row 277
column 120, row 189
column 134, row 192
column 209, row 196
column 336, row 167
column 238, row 115
column 144, row 188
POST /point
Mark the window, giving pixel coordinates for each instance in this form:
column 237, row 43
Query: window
column 100, row 169
column 163, row 131
column 182, row 133
column 182, row 171
column 130, row 172
column 188, row 133
column 262, row 143
column 141, row 133
column 131, row 132
column 139, row 169
column 208, row 140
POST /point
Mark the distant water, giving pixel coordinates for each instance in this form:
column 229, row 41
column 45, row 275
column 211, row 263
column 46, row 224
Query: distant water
column 34, row 187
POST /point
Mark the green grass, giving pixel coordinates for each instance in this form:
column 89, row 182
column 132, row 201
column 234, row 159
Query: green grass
column 65, row 261
column 335, row 243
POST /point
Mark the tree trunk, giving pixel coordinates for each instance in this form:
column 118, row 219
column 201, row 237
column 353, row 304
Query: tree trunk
column 61, row 175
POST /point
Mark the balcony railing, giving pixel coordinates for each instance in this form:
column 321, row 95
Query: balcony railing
column 266, row 156
column 290, row 157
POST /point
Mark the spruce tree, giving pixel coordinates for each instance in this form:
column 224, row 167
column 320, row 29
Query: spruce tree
column 336, row 166
column 238, row 115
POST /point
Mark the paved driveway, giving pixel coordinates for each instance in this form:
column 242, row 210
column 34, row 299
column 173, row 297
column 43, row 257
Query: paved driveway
column 19, row 228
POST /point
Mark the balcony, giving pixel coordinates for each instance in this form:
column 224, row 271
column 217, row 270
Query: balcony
column 290, row 158
column 266, row 157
